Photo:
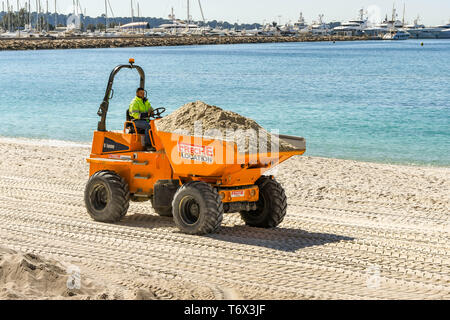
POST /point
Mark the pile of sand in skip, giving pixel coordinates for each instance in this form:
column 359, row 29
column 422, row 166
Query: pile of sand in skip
column 202, row 120
column 28, row 276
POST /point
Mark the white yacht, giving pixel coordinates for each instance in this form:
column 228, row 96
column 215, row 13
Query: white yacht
column 9, row 34
column 419, row 31
column 271, row 30
column 384, row 27
column 396, row 34
column 220, row 32
column 396, row 31
column 201, row 31
column 352, row 27
column 444, row 32
column 300, row 24
column 423, row 33
column 251, row 32
column 394, row 23
column 376, row 31
column 288, row 30
column 319, row 28
column 177, row 27
column 444, row 26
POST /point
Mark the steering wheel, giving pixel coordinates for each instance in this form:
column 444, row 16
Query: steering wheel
column 157, row 113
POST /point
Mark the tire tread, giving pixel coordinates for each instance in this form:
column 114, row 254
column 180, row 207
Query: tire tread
column 120, row 201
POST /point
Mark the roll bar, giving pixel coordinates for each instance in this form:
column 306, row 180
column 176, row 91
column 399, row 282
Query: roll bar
column 103, row 110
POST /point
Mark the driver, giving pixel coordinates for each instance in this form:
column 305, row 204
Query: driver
column 140, row 110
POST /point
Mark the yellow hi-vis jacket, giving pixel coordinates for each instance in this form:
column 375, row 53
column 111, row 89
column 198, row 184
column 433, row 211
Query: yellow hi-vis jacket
column 139, row 109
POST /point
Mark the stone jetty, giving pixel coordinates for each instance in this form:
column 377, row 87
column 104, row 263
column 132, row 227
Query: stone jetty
column 122, row 42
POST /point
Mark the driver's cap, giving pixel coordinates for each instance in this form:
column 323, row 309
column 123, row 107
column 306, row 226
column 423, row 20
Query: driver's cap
column 131, row 61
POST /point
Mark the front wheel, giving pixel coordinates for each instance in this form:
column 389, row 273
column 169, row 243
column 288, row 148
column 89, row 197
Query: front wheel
column 197, row 208
column 271, row 207
column 107, row 197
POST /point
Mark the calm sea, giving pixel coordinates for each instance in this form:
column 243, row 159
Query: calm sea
column 372, row 101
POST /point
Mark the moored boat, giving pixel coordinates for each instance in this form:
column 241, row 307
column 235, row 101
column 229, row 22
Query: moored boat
column 396, row 35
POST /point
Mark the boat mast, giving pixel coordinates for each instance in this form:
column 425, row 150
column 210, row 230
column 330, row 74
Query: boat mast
column 7, row 10
column 132, row 13
column 201, row 10
column 111, row 10
column 40, row 16
column 188, row 14
column 394, row 15
column 56, row 16
column 37, row 17
column 82, row 16
column 404, row 9
column 9, row 16
column 18, row 21
column 106, row 15
column 46, row 16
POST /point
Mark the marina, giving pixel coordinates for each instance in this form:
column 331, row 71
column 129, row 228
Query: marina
column 26, row 20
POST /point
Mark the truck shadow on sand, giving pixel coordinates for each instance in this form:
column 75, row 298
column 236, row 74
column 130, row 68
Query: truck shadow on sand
column 282, row 239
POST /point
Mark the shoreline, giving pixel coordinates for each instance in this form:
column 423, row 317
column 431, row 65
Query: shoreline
column 22, row 44
column 83, row 144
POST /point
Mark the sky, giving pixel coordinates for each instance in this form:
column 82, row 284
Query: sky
column 431, row 12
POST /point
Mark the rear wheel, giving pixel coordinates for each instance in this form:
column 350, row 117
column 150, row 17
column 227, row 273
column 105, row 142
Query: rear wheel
column 271, row 207
column 107, row 197
column 197, row 208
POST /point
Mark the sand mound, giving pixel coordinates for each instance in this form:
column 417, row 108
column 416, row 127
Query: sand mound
column 29, row 276
column 32, row 277
column 202, row 120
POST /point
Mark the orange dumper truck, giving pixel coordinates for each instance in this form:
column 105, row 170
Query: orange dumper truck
column 194, row 180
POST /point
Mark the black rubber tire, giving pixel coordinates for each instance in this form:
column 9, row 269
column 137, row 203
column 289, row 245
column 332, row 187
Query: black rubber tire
column 271, row 207
column 163, row 212
column 107, row 197
column 209, row 208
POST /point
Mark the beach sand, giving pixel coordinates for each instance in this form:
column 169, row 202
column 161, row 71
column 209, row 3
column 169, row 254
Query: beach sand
column 354, row 230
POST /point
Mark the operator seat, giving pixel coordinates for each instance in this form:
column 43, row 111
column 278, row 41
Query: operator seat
column 130, row 126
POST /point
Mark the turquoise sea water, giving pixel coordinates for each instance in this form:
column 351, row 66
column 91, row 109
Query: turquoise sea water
column 372, row 101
